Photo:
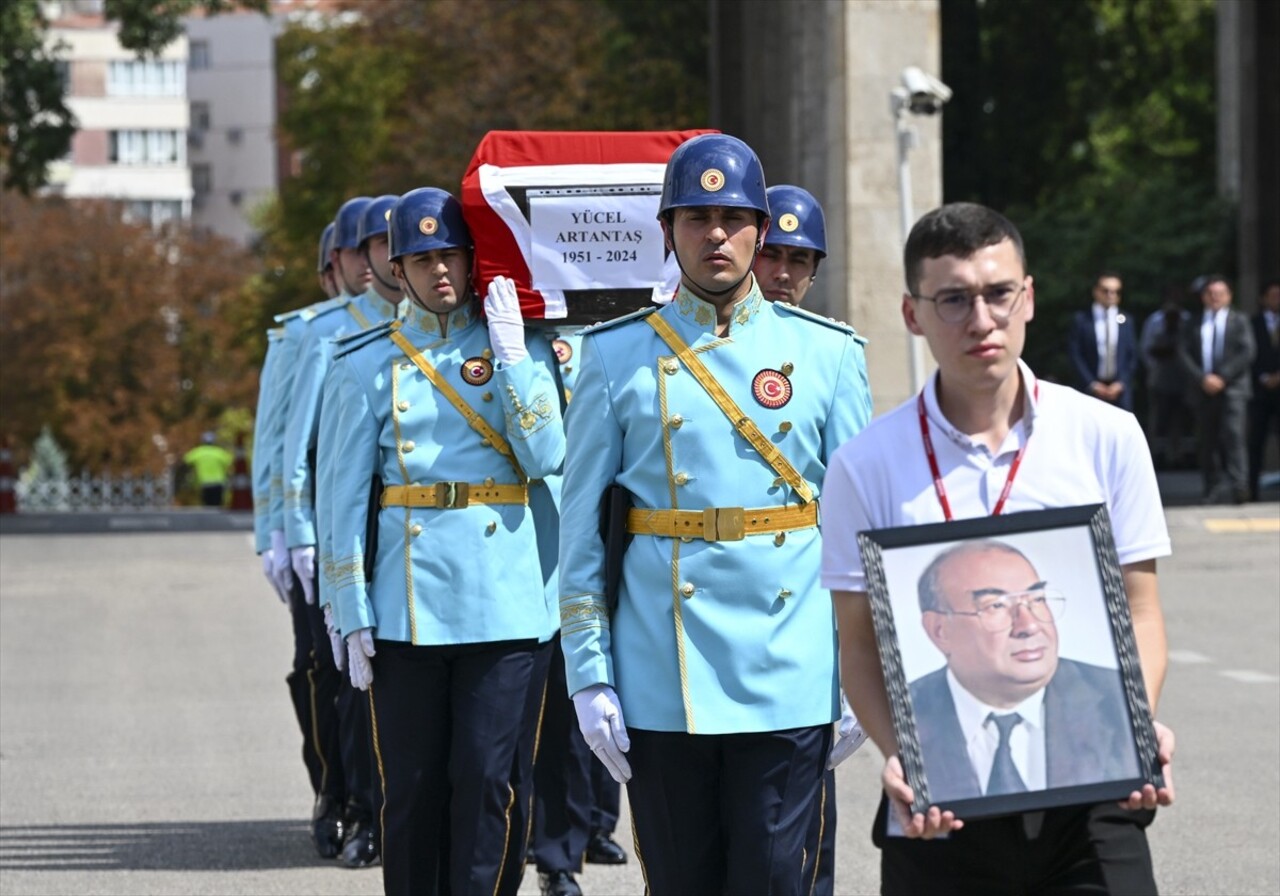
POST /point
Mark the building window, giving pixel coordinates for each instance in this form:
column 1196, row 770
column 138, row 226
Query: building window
column 146, row 77
column 201, row 179
column 198, row 54
column 147, row 148
column 236, row 198
column 234, row 136
column 155, row 212
column 200, row 117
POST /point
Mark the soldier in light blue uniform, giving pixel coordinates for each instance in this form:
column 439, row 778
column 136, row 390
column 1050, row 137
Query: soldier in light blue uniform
column 268, row 457
column 260, row 468
column 785, row 269
column 455, row 418
column 721, row 652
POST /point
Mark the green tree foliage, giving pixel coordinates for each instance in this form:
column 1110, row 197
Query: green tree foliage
column 127, row 343
column 1091, row 123
column 396, row 94
column 35, row 125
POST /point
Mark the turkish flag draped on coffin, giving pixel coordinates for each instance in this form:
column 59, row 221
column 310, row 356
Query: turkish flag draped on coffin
column 571, row 217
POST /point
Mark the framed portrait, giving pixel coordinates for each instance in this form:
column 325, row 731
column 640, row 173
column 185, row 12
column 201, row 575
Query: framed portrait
column 1010, row 661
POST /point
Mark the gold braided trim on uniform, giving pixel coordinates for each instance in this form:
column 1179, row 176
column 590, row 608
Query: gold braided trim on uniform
column 343, row 571
column 579, row 612
column 525, row 420
column 261, row 503
column 296, row 498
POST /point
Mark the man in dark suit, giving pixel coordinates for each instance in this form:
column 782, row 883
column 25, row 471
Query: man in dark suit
column 1103, row 345
column 1264, row 418
column 1006, row 714
column 1217, row 352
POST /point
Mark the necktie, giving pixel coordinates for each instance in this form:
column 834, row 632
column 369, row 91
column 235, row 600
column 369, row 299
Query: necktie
column 1004, row 774
column 1109, row 355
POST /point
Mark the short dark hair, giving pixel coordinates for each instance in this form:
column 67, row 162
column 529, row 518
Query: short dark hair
column 927, row 588
column 1210, row 279
column 1106, row 273
column 960, row 229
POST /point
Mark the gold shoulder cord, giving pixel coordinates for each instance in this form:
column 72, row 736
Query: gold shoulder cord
column 478, row 423
column 745, row 426
column 360, row 319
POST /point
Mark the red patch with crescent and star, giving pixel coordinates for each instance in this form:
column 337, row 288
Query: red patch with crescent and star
column 771, row 388
column 477, row 371
column 563, row 350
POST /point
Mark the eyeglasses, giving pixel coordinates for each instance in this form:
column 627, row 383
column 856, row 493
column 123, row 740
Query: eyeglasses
column 997, row 613
column 955, row 305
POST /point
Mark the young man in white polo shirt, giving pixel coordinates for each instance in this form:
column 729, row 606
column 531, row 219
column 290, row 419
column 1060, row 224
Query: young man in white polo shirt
column 986, row 437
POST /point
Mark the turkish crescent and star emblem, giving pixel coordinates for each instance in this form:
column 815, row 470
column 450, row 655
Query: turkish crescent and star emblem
column 428, row 225
column 788, row 222
column 563, row 350
column 771, row 388
column 477, row 371
column 712, row 180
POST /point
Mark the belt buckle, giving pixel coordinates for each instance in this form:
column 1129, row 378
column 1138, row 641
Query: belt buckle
column 724, row 524
column 452, row 495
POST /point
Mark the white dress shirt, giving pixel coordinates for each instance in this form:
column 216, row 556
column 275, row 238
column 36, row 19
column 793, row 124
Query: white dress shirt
column 981, row 737
column 1106, row 330
column 1212, row 327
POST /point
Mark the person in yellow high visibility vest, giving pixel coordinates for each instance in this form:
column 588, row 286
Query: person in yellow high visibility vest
column 211, row 464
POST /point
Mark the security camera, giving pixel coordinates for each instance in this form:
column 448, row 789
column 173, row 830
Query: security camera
column 927, row 93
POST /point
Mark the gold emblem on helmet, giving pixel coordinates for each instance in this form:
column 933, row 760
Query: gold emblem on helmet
column 428, row 225
column 712, row 180
column 788, row 222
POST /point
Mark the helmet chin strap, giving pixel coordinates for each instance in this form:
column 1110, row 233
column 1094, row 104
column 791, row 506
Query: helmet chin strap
column 376, row 275
column 342, row 275
column 727, row 289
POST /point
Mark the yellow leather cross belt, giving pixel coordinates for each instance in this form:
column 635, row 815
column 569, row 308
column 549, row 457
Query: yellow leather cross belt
column 453, row 495
column 721, row 523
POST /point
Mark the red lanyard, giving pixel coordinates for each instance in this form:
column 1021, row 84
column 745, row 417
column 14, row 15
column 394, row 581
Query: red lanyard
column 937, row 474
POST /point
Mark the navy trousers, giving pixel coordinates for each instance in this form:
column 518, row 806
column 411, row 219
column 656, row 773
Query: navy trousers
column 301, row 694
column 725, row 813
column 820, row 863
column 562, row 779
column 447, row 723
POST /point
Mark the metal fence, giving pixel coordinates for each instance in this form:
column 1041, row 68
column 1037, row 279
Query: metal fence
column 101, row 492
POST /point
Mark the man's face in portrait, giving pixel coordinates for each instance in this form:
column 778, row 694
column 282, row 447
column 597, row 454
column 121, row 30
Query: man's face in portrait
column 1000, row 644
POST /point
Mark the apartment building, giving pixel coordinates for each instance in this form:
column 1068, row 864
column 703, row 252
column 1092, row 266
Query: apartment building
column 132, row 115
column 231, row 144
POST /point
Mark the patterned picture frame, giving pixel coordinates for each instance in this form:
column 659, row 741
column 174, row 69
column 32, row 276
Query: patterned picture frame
column 1092, row 719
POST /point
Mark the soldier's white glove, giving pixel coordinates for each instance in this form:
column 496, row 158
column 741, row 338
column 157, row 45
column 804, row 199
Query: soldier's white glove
column 304, row 567
column 506, row 325
column 269, row 570
column 281, row 570
column 335, row 639
column 600, row 718
column 359, row 649
column 851, row 736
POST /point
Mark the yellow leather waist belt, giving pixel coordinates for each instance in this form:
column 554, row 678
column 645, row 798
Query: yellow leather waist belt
column 452, row 495
column 721, row 523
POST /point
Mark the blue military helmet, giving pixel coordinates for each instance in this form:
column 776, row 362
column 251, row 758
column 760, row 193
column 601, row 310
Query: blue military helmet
column 346, row 234
column 424, row 219
column 714, row 169
column 797, row 220
column 326, row 244
column 373, row 220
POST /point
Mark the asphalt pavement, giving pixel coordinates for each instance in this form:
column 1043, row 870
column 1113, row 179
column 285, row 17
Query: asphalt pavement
column 147, row 743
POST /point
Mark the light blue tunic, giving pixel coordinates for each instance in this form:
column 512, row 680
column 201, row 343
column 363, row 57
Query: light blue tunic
column 708, row 637
column 440, row 576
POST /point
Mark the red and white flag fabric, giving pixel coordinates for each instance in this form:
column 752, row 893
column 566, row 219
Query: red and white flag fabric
column 565, row 212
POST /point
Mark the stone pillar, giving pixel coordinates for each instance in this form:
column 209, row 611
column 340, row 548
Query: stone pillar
column 806, row 83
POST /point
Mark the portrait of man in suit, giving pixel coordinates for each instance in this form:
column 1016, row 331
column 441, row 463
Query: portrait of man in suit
column 1007, row 713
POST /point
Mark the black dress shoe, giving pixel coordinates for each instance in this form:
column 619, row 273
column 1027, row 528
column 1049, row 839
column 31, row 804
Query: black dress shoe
column 602, row 850
column 361, row 848
column 327, row 827
column 558, row 883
